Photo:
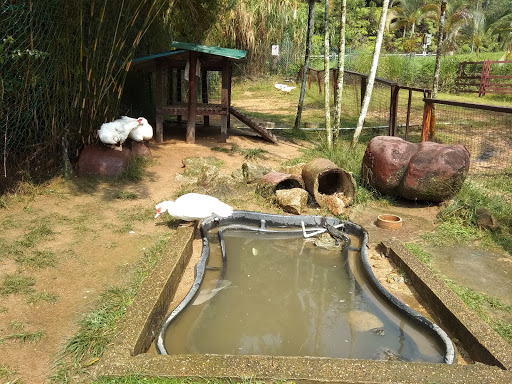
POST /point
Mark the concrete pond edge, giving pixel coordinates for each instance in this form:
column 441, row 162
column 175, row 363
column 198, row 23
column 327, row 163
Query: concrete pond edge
column 127, row 354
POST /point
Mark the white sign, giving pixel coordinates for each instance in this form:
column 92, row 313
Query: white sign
column 428, row 39
column 275, row 50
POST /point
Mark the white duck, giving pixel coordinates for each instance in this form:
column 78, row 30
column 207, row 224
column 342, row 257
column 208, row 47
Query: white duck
column 194, row 206
column 283, row 87
column 117, row 131
column 143, row 131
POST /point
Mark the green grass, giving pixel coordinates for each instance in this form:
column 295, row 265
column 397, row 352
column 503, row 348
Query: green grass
column 24, row 337
column 490, row 309
column 6, row 372
column 38, row 259
column 17, row 284
column 38, row 297
column 125, row 195
column 459, row 218
column 135, row 171
column 99, row 327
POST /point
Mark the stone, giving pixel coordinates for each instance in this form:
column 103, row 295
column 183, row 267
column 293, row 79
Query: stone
column 385, row 162
column 436, row 172
column 485, row 220
column 425, row 171
column 252, row 173
column 95, row 160
column 140, row 149
column 292, row 200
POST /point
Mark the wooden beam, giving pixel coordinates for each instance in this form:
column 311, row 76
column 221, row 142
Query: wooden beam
column 204, row 94
column 225, row 100
column 159, row 134
column 192, row 98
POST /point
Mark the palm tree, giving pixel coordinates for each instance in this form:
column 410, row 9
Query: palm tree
column 502, row 29
column 408, row 13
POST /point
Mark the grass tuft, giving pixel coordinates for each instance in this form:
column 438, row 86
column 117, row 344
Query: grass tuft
column 17, row 284
column 38, row 259
column 25, row 337
column 49, row 297
column 125, row 195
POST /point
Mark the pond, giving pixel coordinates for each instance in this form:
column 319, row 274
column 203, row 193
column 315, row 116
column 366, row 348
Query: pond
column 266, row 286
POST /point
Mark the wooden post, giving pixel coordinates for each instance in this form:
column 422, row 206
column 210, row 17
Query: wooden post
column 204, row 94
column 408, row 114
column 427, row 116
column 335, row 83
column 179, row 98
column 363, row 90
column 309, row 78
column 230, row 79
column 319, row 81
column 159, row 134
column 192, row 98
column 224, row 101
column 393, row 108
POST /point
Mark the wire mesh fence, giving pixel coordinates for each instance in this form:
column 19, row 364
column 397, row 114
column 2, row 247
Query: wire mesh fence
column 486, row 131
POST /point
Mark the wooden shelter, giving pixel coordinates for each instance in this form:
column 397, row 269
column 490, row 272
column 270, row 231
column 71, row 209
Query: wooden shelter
column 190, row 61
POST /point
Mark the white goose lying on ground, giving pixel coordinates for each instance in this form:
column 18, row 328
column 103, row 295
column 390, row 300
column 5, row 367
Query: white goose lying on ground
column 194, row 206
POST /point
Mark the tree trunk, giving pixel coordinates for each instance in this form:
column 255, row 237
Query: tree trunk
column 437, row 67
column 341, row 70
column 373, row 73
column 327, row 101
column 305, row 68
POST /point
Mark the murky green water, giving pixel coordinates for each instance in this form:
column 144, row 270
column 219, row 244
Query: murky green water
column 287, row 297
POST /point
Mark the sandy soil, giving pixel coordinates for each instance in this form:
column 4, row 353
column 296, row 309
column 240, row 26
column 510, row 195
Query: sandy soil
column 95, row 249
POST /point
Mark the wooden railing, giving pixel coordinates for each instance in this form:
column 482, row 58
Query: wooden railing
column 483, row 81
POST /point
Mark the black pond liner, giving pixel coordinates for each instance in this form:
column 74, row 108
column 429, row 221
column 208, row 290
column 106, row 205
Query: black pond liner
column 262, row 222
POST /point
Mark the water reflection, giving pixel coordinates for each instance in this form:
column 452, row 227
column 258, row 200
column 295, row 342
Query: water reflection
column 283, row 296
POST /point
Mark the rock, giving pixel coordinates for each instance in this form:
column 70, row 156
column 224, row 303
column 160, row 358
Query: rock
column 293, row 169
column 194, row 166
column 362, row 321
column 326, row 241
column 425, row 171
column 103, row 161
column 385, row 162
column 185, row 180
column 140, row 149
column 208, row 175
column 435, row 172
column 485, row 220
column 292, row 200
column 253, row 172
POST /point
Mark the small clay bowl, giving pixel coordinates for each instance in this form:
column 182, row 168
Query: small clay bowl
column 389, row 221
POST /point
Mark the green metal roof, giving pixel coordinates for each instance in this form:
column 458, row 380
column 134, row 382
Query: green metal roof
column 235, row 54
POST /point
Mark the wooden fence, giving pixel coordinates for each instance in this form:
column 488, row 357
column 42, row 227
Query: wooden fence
column 475, row 80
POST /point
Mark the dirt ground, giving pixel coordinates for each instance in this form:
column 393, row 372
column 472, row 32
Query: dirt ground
column 96, row 238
